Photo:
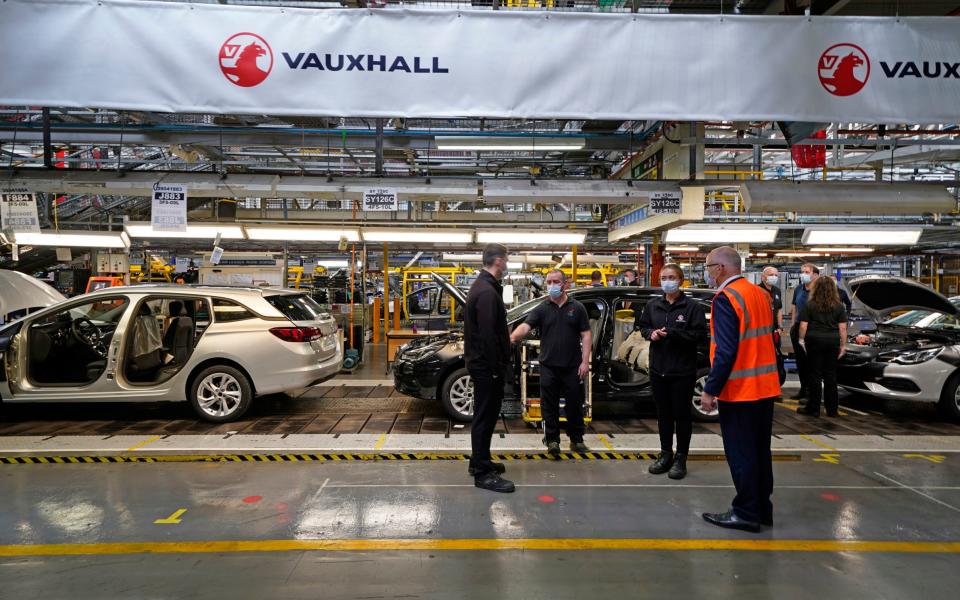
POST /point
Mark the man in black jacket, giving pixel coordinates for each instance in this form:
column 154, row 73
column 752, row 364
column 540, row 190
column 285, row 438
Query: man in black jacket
column 486, row 350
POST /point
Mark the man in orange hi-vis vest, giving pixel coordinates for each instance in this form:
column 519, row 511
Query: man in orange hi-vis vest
column 744, row 379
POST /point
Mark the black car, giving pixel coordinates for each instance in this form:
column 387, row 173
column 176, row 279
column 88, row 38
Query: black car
column 432, row 367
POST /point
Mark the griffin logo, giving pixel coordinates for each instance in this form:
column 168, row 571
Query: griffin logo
column 844, row 69
column 246, row 59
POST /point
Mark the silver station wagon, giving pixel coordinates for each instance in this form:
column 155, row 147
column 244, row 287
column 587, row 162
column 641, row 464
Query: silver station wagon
column 215, row 347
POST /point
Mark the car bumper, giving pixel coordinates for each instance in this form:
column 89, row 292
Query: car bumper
column 304, row 367
column 414, row 380
column 916, row 383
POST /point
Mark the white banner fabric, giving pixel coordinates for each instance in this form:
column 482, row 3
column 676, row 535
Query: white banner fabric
column 180, row 57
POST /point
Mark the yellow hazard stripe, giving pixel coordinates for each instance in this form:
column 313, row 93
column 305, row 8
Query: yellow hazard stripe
column 350, row 456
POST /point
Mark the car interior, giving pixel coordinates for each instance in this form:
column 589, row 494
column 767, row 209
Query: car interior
column 629, row 352
column 69, row 347
column 163, row 334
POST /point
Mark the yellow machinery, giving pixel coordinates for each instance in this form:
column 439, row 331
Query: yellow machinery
column 159, row 272
column 294, row 277
column 415, row 278
column 584, row 271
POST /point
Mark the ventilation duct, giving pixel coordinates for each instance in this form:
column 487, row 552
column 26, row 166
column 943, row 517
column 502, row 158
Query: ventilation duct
column 838, row 197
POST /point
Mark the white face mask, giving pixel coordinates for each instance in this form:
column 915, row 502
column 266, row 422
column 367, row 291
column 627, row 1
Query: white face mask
column 805, row 278
column 555, row 290
column 772, row 280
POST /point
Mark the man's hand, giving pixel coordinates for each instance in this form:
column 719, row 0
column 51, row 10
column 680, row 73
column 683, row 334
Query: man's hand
column 708, row 402
column 843, row 350
column 658, row 334
column 583, row 370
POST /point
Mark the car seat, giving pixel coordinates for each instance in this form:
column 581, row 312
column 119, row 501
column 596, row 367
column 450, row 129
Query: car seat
column 178, row 339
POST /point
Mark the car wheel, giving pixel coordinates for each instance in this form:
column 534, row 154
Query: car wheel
column 457, row 396
column 950, row 398
column 697, row 411
column 220, row 394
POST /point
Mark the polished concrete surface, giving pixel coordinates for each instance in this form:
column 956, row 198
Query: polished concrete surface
column 866, row 525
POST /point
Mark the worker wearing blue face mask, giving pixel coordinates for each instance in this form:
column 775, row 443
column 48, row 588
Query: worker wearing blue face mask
column 808, row 274
column 675, row 324
column 565, row 345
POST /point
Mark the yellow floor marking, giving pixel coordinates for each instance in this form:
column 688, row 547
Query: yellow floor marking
column 603, row 439
column 934, row 458
column 172, row 519
column 819, row 443
column 833, row 459
column 479, row 545
column 380, row 441
column 144, row 443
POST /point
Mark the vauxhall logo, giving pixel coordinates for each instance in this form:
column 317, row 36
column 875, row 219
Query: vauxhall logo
column 844, row 69
column 246, row 60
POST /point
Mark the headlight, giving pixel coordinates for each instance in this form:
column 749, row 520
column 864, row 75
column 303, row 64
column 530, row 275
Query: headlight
column 921, row 356
column 424, row 352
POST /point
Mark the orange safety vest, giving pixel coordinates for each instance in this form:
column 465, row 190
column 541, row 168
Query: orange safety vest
column 754, row 375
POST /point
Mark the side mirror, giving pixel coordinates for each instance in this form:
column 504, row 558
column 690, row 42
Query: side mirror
column 7, row 335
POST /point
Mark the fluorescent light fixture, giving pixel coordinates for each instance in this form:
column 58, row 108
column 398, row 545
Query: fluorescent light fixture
column 843, row 250
column 524, row 237
column 516, row 266
column 721, row 234
column 70, row 239
column 759, row 254
column 301, row 234
column 195, row 232
column 682, row 248
column 469, row 258
column 419, row 235
column 849, row 235
column 333, row 264
column 480, row 143
column 796, row 254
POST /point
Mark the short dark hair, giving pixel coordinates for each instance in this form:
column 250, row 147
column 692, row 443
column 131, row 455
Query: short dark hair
column 596, row 276
column 563, row 276
column 674, row 267
column 631, row 271
column 492, row 252
column 812, row 267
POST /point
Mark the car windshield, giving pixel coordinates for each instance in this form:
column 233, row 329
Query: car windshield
column 522, row 309
column 297, row 307
column 926, row 319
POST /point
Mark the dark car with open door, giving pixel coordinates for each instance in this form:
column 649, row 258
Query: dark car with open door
column 432, row 367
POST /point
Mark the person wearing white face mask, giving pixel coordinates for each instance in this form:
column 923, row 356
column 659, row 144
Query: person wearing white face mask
column 770, row 283
column 565, row 345
column 808, row 274
column 675, row 325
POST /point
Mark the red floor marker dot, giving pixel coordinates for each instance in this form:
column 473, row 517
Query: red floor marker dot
column 252, row 499
column 546, row 499
column 830, row 497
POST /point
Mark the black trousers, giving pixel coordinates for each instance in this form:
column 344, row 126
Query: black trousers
column 557, row 382
column 800, row 355
column 673, row 395
column 822, row 360
column 746, row 429
column 487, row 401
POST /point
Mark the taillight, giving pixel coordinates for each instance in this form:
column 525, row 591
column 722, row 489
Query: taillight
column 297, row 334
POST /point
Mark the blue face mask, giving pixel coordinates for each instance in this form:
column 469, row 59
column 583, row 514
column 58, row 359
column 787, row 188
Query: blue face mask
column 555, row 290
column 670, row 286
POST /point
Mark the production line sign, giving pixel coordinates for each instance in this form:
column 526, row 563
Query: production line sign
column 18, row 212
column 169, row 208
column 380, row 199
column 442, row 63
column 665, row 203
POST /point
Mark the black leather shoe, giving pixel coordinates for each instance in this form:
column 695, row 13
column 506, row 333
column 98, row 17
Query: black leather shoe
column 808, row 412
column 553, row 448
column 767, row 522
column 494, row 483
column 579, row 447
column 833, row 413
column 799, row 395
column 498, row 467
column 730, row 520
column 662, row 464
column 679, row 468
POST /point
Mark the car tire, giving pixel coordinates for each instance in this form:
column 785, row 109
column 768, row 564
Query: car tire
column 950, row 398
column 220, row 394
column 456, row 395
column 698, row 414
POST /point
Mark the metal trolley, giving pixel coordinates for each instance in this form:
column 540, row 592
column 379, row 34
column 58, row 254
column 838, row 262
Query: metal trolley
column 530, row 370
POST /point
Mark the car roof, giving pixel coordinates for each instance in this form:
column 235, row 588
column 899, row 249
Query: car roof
column 176, row 289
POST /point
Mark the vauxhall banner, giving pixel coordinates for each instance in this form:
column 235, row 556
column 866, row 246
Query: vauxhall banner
column 163, row 56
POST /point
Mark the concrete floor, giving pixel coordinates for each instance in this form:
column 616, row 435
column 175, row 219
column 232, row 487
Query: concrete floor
column 293, row 524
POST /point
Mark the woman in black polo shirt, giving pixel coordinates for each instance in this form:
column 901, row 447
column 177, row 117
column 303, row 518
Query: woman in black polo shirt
column 823, row 336
column 675, row 324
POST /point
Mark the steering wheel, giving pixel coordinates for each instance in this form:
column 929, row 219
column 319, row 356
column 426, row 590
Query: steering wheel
column 88, row 334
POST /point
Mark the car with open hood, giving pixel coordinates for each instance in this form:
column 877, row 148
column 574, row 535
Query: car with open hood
column 215, row 347
column 913, row 352
column 20, row 294
column 432, row 367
